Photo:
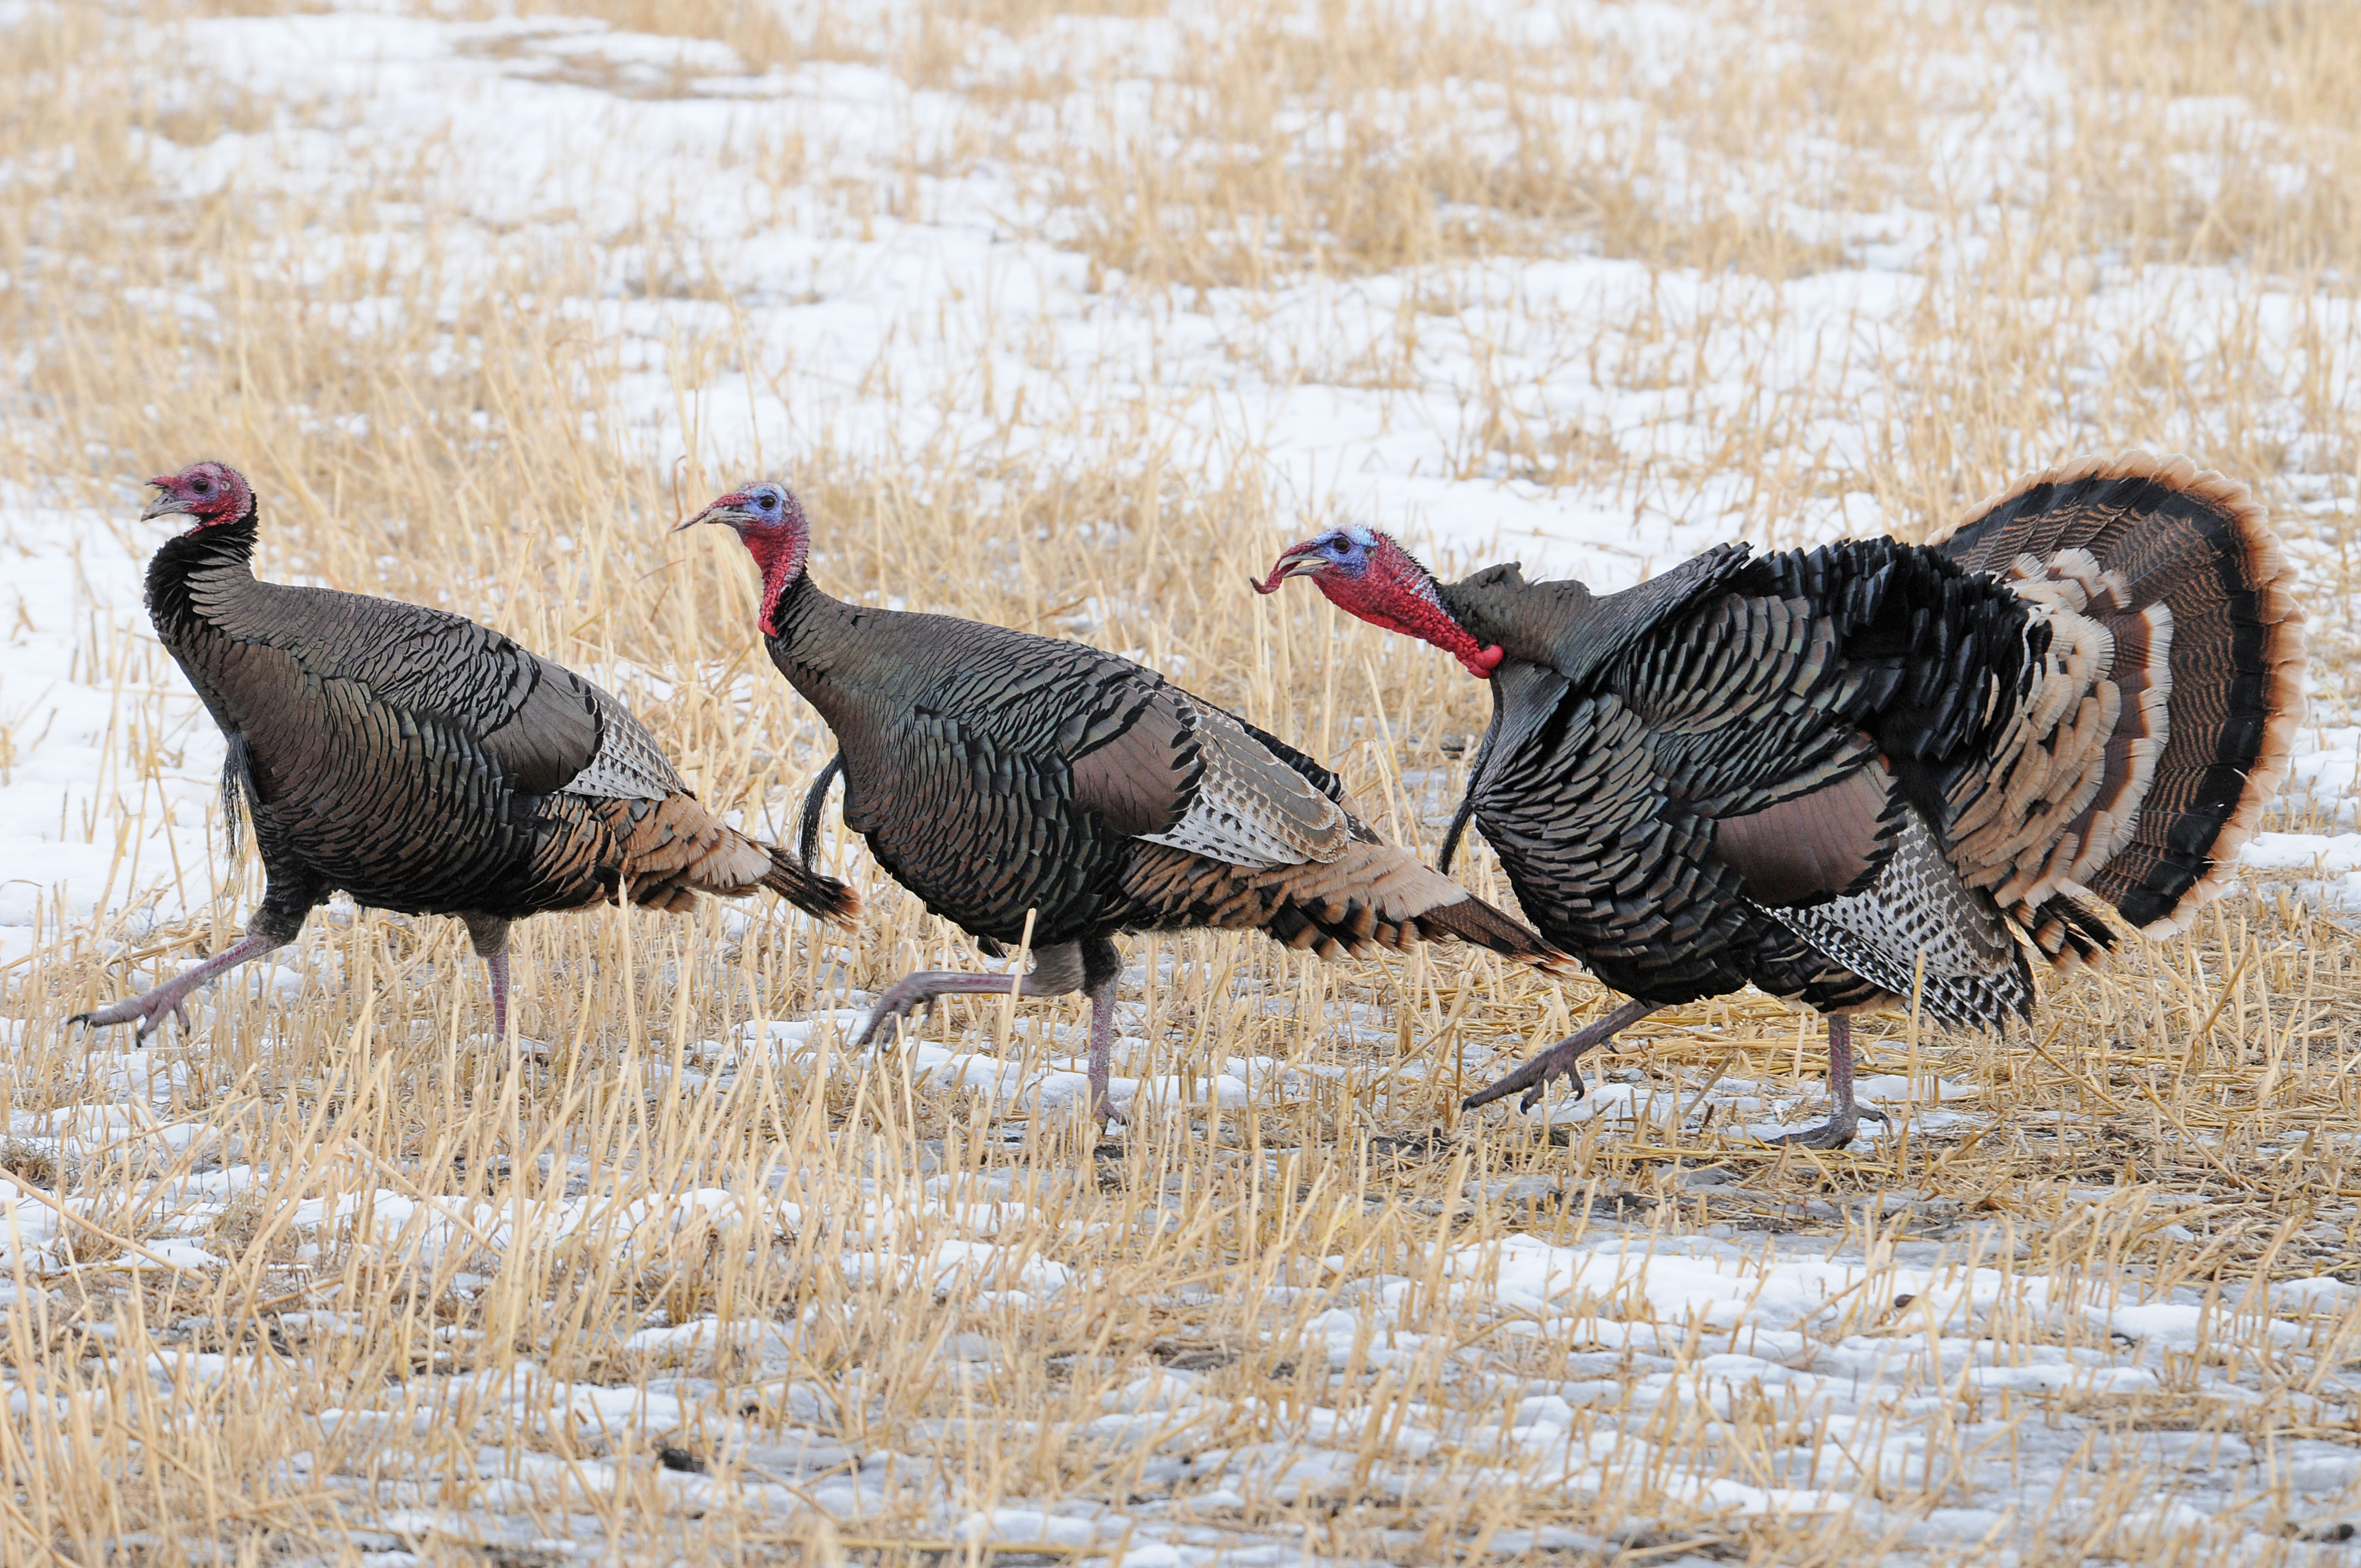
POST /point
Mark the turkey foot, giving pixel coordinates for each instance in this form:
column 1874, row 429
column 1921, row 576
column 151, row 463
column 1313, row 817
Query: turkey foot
column 150, row 1008
column 147, row 1011
column 1845, row 1120
column 1068, row 966
column 1833, row 1134
column 1534, row 1075
column 917, row 991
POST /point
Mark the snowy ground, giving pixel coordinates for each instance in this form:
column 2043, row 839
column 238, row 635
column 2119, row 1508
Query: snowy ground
column 966, row 320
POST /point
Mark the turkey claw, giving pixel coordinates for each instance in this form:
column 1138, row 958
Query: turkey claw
column 1559, row 1060
column 131, row 1011
column 888, row 1014
column 1534, row 1076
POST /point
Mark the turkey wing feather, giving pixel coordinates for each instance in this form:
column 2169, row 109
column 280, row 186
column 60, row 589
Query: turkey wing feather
column 543, row 727
column 1612, row 865
column 1248, row 807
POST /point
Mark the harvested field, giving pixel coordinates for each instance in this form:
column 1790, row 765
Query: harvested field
column 1068, row 317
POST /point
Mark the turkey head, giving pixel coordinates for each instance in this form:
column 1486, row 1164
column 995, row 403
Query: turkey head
column 1366, row 573
column 212, row 494
column 770, row 521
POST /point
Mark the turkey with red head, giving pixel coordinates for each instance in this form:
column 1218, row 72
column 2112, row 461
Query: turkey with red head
column 998, row 775
column 419, row 762
column 1872, row 771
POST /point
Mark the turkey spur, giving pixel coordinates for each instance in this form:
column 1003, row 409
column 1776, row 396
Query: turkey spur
column 419, row 762
column 1870, row 772
column 995, row 774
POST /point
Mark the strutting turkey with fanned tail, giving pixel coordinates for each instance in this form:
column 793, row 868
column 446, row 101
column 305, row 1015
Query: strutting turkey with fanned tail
column 419, row 762
column 998, row 775
column 1870, row 774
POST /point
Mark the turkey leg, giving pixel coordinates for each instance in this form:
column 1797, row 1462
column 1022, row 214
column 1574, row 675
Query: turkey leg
column 1839, row 1129
column 1102, row 1050
column 488, row 934
column 274, row 925
column 1534, row 1076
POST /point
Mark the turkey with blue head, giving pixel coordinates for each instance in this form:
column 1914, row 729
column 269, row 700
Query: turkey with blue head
column 1872, row 774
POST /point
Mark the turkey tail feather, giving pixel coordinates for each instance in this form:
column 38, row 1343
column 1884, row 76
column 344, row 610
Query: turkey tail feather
column 674, row 848
column 1477, row 922
column 2177, row 660
column 1373, row 895
column 810, row 891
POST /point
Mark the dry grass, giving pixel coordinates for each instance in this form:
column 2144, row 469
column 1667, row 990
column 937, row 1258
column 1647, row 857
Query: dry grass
column 434, row 1262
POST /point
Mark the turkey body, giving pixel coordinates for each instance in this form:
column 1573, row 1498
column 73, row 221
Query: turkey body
column 1873, row 774
column 411, row 758
column 1019, row 785
column 998, row 775
column 428, row 765
column 1668, row 811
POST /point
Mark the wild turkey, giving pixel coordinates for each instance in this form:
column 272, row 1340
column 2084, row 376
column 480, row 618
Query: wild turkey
column 1871, row 772
column 420, row 762
column 999, row 776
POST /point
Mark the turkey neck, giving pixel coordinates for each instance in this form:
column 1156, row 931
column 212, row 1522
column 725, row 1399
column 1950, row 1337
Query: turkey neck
column 190, row 563
column 831, row 652
column 192, row 581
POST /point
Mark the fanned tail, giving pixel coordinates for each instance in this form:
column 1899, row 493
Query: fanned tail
column 2172, row 611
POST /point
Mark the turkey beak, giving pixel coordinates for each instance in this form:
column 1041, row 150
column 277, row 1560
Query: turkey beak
column 1299, row 562
column 730, row 512
column 164, row 505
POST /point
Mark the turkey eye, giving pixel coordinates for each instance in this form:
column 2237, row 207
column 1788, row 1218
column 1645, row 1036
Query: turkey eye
column 1337, row 545
column 202, row 486
column 765, row 502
